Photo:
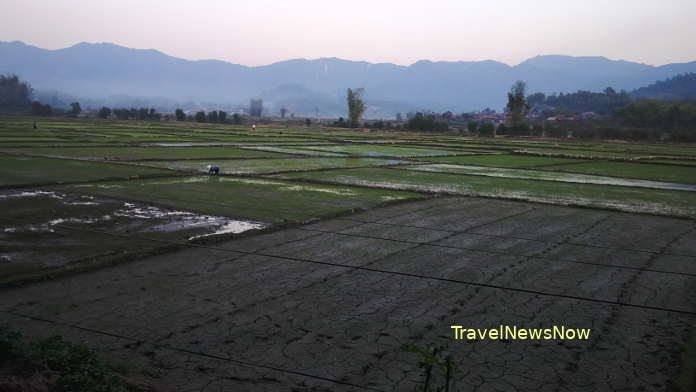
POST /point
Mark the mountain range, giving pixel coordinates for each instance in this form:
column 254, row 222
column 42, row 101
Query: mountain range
column 104, row 72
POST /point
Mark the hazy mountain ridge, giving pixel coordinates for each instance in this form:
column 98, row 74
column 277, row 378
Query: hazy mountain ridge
column 102, row 70
column 680, row 87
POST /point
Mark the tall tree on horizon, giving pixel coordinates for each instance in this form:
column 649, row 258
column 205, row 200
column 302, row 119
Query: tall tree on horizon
column 517, row 106
column 356, row 106
column 14, row 93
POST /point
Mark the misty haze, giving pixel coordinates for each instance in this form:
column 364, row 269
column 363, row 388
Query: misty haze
column 314, row 196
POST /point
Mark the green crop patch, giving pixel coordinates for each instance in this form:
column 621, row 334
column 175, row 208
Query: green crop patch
column 37, row 170
column 296, row 151
column 546, row 175
column 132, row 153
column 505, row 160
column 648, row 171
column 250, row 166
column 249, row 198
column 664, row 202
column 675, row 161
column 588, row 153
column 379, row 150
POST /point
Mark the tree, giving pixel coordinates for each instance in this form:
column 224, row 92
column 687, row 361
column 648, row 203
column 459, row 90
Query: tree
column 75, row 109
column 422, row 122
column 213, row 116
column 487, row 129
column 517, row 106
column 41, row 110
column 222, row 116
column 536, row 98
column 200, row 117
column 104, row 112
column 472, row 126
column 122, row 114
column 14, row 94
column 307, row 122
column 180, row 115
column 356, row 106
column 283, row 111
column 236, row 118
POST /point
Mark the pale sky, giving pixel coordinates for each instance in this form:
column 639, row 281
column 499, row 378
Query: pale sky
column 261, row 32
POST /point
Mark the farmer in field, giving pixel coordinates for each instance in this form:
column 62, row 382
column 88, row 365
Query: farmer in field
column 253, row 127
column 213, row 170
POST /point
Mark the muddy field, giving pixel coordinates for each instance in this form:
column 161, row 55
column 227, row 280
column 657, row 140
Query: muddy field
column 328, row 306
column 319, row 256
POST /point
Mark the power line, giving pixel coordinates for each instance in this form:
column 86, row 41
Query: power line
column 381, row 271
column 190, row 352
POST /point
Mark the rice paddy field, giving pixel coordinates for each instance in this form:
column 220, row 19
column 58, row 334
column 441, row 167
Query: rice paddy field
column 317, row 254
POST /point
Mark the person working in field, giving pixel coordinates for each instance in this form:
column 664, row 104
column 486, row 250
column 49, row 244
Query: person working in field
column 253, row 127
column 213, row 170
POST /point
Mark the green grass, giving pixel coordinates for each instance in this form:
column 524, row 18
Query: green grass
column 247, row 166
column 55, row 364
column 589, row 153
column 128, row 153
column 255, row 199
column 379, row 150
column 504, row 160
column 635, row 170
column 296, row 151
column 665, row 202
column 545, row 176
column 36, row 170
column 264, row 150
column 675, row 161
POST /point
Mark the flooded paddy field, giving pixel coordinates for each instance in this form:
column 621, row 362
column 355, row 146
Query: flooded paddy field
column 318, row 254
column 269, row 200
column 45, row 232
column 258, row 166
column 653, row 201
column 506, row 160
column 644, row 169
column 148, row 152
column 394, row 151
column 550, row 175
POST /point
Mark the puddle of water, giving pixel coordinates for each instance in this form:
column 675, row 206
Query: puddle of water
column 175, row 181
column 233, row 227
column 184, row 220
column 391, row 198
column 53, row 195
column 253, row 182
column 98, row 186
column 340, row 192
column 76, row 220
column 173, row 220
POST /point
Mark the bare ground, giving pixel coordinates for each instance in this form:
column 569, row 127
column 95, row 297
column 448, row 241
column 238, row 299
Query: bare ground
column 328, row 306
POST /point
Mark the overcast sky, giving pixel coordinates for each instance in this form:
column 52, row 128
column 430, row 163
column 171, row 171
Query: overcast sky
column 260, row 32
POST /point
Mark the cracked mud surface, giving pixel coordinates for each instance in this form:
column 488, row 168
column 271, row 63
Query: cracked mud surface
column 289, row 311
